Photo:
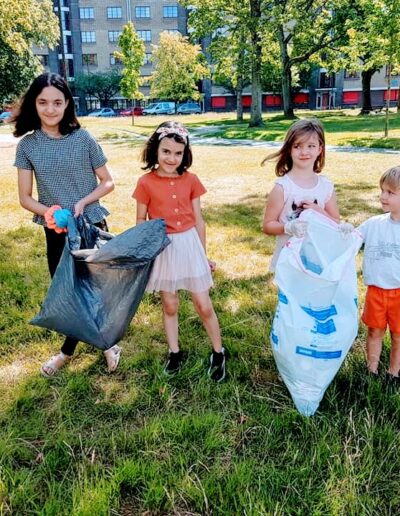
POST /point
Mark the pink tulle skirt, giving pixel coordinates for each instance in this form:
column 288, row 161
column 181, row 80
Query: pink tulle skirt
column 182, row 265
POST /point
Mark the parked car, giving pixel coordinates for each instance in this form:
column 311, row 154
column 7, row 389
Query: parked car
column 4, row 117
column 105, row 111
column 137, row 111
column 160, row 108
column 189, row 108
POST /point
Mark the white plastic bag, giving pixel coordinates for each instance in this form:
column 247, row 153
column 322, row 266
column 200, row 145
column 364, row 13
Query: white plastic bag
column 316, row 319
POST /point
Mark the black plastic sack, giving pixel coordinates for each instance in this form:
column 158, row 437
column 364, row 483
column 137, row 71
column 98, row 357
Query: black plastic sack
column 98, row 286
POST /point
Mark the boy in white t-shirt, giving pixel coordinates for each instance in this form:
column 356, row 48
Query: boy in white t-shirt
column 381, row 271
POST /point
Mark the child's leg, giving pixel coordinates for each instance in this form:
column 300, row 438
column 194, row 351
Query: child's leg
column 205, row 309
column 394, row 366
column 170, row 303
column 374, row 348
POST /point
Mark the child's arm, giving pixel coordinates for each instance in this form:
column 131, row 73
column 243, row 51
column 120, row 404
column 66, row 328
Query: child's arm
column 201, row 227
column 141, row 212
column 25, row 186
column 105, row 186
column 331, row 209
column 273, row 208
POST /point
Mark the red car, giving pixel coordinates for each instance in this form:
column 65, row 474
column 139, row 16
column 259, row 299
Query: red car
column 137, row 111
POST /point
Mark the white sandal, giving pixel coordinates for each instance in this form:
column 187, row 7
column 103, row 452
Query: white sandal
column 112, row 357
column 54, row 364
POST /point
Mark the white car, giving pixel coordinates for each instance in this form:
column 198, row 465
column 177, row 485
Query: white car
column 105, row 111
column 160, row 108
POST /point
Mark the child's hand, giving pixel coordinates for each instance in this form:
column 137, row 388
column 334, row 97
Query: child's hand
column 78, row 208
column 296, row 228
column 345, row 230
column 311, row 205
column 212, row 265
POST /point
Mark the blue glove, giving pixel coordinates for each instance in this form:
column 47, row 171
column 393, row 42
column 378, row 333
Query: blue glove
column 61, row 217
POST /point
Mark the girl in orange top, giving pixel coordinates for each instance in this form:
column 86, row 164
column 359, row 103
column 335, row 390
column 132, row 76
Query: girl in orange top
column 169, row 191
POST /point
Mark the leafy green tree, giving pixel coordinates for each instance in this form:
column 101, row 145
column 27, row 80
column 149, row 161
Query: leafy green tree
column 237, row 25
column 178, row 68
column 23, row 23
column 303, row 30
column 101, row 85
column 232, row 68
column 132, row 56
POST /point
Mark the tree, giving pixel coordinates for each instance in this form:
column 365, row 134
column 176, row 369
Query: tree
column 232, row 68
column 303, row 29
column 178, row 67
column 242, row 24
column 132, row 56
column 363, row 50
column 23, row 23
column 101, row 85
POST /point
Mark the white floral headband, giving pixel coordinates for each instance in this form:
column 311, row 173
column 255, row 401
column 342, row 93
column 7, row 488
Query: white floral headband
column 180, row 131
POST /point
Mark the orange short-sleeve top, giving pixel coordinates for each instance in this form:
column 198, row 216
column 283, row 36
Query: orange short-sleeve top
column 170, row 198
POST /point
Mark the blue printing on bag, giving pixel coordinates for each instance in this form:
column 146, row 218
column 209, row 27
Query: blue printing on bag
column 274, row 338
column 322, row 314
column 311, row 266
column 325, row 328
column 313, row 353
column 282, row 298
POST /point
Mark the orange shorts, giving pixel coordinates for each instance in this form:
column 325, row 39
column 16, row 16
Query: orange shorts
column 382, row 308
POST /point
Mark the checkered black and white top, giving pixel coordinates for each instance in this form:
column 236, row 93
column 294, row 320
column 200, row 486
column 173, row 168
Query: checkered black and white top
column 64, row 169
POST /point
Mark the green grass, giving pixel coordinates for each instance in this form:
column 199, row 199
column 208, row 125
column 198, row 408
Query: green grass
column 136, row 442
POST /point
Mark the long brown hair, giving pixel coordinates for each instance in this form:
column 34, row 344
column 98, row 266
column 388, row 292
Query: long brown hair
column 299, row 130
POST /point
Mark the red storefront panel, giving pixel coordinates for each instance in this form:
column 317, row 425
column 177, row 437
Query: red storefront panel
column 272, row 100
column 351, row 97
column 218, row 102
column 393, row 94
column 300, row 98
column 246, row 100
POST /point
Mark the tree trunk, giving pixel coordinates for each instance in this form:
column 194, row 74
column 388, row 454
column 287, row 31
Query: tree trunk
column 286, row 76
column 256, row 114
column 366, row 76
column 239, row 105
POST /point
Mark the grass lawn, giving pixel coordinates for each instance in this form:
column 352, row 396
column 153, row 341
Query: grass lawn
column 138, row 443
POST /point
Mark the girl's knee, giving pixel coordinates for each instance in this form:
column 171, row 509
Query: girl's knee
column 204, row 308
column 170, row 306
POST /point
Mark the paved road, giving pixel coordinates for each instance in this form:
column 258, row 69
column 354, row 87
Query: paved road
column 7, row 140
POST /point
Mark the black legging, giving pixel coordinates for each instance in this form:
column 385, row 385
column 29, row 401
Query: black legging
column 55, row 243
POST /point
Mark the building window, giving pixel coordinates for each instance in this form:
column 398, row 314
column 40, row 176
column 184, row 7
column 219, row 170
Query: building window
column 144, row 35
column 351, row 74
column 88, row 36
column 114, row 13
column 115, row 60
column 86, row 13
column 147, row 59
column 44, row 59
column 142, row 12
column 89, row 59
column 172, row 31
column 170, row 11
column 326, row 80
column 113, row 35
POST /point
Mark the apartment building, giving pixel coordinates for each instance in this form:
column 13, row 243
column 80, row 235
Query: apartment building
column 91, row 28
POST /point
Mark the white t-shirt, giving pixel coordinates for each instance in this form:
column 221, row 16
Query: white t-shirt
column 293, row 197
column 381, row 264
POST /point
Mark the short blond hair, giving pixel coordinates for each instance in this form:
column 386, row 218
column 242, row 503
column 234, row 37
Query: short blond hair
column 391, row 178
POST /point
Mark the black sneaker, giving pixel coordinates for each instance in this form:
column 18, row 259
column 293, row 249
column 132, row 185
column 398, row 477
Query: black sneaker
column 217, row 371
column 391, row 380
column 174, row 362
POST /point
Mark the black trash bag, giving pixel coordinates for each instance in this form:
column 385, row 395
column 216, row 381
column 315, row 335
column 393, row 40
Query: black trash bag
column 100, row 281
